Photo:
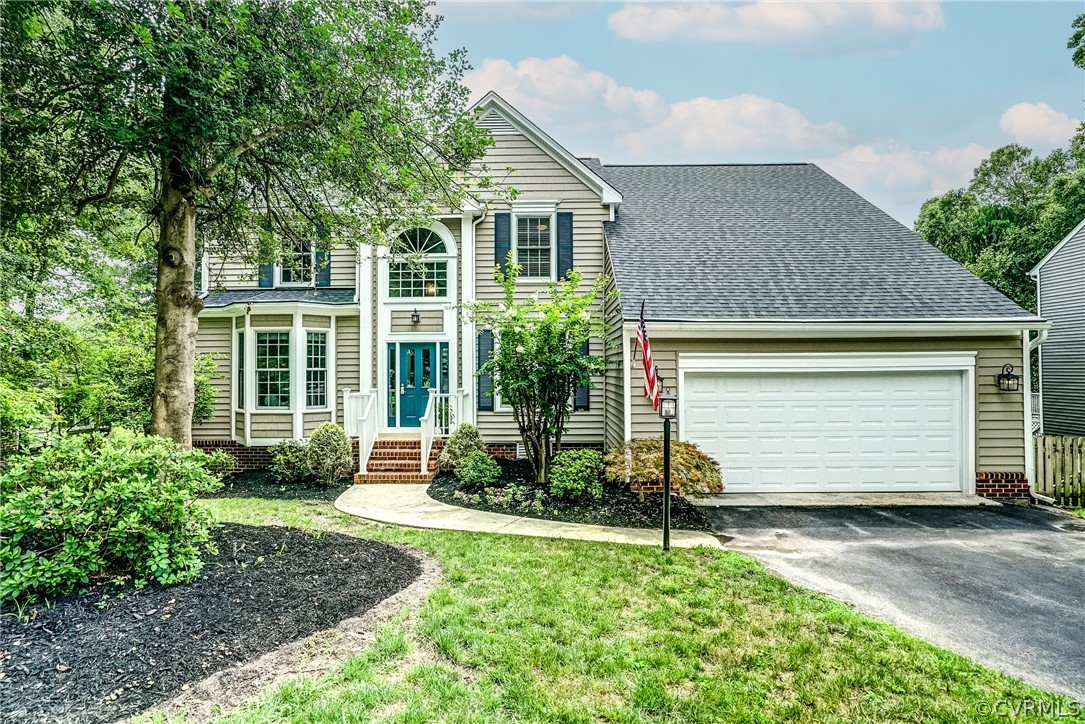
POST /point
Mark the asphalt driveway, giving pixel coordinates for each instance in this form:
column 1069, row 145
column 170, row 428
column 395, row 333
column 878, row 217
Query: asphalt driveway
column 1004, row 586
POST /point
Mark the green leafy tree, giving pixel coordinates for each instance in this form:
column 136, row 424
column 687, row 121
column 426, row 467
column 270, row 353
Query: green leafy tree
column 537, row 362
column 240, row 127
column 1016, row 209
column 1077, row 41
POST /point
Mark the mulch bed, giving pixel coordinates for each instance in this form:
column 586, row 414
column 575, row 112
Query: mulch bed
column 115, row 651
column 263, row 485
column 618, row 506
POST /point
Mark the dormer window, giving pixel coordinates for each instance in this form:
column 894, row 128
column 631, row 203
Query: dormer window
column 419, row 266
column 296, row 265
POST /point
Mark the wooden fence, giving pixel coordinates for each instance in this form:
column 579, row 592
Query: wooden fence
column 1060, row 469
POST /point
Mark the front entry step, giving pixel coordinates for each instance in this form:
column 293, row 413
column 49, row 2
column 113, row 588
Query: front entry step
column 398, row 460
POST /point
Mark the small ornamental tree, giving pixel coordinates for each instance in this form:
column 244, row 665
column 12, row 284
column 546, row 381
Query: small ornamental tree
column 537, row 362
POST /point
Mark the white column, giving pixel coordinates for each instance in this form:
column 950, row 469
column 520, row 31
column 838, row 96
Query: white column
column 1026, row 379
column 331, row 391
column 250, row 376
column 467, row 358
column 297, row 375
column 365, row 318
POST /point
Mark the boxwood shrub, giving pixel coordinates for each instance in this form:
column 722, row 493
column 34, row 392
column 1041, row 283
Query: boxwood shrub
column 465, row 438
column 692, row 471
column 330, row 454
column 92, row 506
column 478, row 470
column 577, row 474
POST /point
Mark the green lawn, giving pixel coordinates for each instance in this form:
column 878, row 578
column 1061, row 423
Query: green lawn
column 1079, row 512
column 528, row 629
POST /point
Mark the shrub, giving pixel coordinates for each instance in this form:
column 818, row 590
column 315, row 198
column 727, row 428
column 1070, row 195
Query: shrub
column 463, row 440
column 478, row 470
column 92, row 505
column 692, row 472
column 290, row 461
column 577, row 473
column 330, row 455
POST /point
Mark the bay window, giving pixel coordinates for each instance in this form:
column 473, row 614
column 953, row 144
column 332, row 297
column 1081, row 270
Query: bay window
column 316, row 370
column 272, row 369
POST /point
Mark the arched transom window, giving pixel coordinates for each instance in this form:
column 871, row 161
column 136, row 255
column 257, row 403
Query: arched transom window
column 411, row 272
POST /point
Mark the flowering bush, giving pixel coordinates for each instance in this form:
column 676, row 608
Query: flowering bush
column 510, row 497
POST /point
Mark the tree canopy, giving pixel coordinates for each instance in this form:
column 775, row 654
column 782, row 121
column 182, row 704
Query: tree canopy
column 137, row 135
column 1017, row 207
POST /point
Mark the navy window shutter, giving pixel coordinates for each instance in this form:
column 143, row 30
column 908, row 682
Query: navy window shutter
column 267, row 275
column 502, row 239
column 323, row 269
column 582, row 397
column 565, row 243
column 485, row 379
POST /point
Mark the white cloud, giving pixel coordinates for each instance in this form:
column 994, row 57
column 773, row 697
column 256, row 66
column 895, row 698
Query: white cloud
column 1037, row 123
column 899, row 179
column 707, row 125
column 561, row 91
column 769, row 21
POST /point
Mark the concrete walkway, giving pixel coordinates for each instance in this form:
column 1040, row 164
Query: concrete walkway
column 409, row 505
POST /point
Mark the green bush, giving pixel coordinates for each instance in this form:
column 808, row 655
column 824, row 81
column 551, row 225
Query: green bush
column 330, row 456
column 577, row 473
column 463, row 440
column 93, row 505
column 692, row 472
column 290, row 461
column 478, row 470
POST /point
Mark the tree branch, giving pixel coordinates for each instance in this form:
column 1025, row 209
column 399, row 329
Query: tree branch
column 79, row 205
column 250, row 143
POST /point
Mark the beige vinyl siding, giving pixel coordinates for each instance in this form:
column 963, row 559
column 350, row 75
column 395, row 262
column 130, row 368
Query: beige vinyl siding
column 538, row 177
column 235, row 273
column 315, row 321
column 1061, row 297
column 239, row 426
column 614, row 400
column 432, row 320
column 266, row 321
column 999, row 416
column 278, row 425
column 346, row 360
column 213, row 337
column 312, row 420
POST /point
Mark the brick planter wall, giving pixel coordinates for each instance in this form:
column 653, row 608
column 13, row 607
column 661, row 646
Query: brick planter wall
column 1002, row 486
column 507, row 450
column 252, row 458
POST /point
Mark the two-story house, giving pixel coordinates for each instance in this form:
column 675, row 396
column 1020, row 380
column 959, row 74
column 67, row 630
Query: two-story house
column 815, row 343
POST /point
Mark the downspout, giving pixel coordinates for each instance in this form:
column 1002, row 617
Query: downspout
column 1041, row 337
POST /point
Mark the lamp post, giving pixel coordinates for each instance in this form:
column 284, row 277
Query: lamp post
column 668, row 410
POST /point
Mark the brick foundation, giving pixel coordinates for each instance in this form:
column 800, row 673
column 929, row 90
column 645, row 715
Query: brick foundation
column 251, row 458
column 507, row 450
column 1002, row 486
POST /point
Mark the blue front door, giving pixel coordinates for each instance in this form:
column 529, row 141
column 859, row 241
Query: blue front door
column 417, row 363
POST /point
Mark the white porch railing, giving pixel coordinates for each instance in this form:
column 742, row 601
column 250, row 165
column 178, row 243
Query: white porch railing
column 442, row 414
column 360, row 421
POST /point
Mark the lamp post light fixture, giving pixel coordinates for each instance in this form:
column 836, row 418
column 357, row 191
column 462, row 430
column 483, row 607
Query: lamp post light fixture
column 668, row 410
column 1008, row 381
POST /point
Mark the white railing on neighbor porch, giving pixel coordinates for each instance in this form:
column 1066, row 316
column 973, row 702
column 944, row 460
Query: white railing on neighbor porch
column 442, row 415
column 360, row 421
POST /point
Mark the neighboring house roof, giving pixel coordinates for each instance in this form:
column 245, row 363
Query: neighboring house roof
column 516, row 122
column 781, row 242
column 218, row 300
column 1035, row 271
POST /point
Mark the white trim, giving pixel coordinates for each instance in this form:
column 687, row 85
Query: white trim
column 837, row 328
column 1035, row 271
column 365, row 320
column 783, row 363
column 250, row 335
column 297, row 377
column 238, row 309
column 467, row 326
column 1026, row 379
column 627, row 384
column 329, row 356
column 205, row 273
column 491, row 101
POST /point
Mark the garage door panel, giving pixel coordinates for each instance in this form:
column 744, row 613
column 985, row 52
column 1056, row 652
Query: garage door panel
column 829, row 432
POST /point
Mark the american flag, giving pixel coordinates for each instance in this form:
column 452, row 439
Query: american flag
column 651, row 381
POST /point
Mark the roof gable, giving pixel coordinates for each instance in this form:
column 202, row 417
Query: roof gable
column 501, row 118
column 1035, row 271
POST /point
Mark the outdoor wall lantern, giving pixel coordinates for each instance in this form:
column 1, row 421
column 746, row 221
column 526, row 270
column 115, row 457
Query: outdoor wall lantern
column 1008, row 381
column 415, row 317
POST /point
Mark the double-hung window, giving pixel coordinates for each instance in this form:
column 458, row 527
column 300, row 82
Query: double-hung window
column 535, row 246
column 272, row 369
column 296, row 264
column 316, row 369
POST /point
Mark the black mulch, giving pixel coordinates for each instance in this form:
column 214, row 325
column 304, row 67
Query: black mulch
column 263, row 485
column 113, row 651
column 618, row 506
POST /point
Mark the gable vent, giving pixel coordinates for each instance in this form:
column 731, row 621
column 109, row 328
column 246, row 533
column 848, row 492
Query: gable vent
column 496, row 124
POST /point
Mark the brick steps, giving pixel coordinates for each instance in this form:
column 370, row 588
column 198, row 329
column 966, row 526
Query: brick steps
column 398, row 460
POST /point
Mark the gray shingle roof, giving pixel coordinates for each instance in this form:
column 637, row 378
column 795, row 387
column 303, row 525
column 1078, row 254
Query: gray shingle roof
column 778, row 241
column 217, row 300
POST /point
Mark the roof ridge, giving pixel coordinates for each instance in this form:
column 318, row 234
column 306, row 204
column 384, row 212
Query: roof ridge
column 691, row 165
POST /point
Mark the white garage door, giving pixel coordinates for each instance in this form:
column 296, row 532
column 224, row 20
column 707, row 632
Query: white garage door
column 830, row 431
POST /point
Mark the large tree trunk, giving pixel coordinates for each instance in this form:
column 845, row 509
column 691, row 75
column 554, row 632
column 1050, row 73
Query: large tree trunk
column 178, row 305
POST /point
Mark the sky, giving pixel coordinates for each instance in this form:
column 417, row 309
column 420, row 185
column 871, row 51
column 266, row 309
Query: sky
column 899, row 100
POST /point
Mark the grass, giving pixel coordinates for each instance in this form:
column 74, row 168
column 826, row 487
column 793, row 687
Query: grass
column 1079, row 512
column 529, row 629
